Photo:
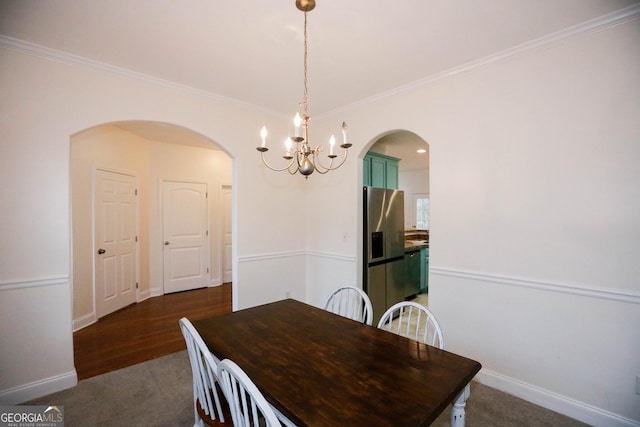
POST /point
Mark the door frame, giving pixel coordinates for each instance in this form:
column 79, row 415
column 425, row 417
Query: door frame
column 221, row 230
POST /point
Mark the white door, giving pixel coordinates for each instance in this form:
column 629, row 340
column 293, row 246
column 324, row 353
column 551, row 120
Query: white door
column 225, row 207
column 186, row 242
column 115, row 241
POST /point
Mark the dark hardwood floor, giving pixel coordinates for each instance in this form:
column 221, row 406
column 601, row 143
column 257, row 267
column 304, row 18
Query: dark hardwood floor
column 144, row 331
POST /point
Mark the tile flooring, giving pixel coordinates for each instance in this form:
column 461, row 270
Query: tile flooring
column 422, row 299
column 421, row 330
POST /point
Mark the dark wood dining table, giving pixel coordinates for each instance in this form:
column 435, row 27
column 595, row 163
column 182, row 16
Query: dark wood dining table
column 320, row 369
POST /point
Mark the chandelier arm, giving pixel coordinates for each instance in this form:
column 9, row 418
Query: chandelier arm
column 321, row 172
column 319, row 166
column 293, row 172
column 275, row 169
column 331, row 167
column 346, row 153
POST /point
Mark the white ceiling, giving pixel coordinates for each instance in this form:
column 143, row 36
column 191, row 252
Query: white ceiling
column 251, row 51
column 404, row 145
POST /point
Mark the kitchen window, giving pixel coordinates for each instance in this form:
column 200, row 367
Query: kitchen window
column 421, row 211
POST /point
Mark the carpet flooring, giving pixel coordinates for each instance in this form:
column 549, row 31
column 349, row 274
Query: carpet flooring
column 159, row 393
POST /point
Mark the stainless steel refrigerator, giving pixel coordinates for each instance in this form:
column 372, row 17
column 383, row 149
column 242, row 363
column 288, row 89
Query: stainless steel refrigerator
column 383, row 248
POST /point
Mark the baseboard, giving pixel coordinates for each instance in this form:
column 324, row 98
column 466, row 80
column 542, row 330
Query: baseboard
column 144, row 295
column 36, row 389
column 156, row 292
column 84, row 321
column 555, row 402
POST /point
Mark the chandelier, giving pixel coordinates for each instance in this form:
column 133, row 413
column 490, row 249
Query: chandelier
column 300, row 155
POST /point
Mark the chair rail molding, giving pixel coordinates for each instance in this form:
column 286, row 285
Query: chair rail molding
column 607, row 294
column 288, row 254
column 35, row 282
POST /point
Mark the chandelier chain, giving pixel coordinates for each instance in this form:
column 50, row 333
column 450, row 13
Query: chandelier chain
column 302, row 157
column 304, row 96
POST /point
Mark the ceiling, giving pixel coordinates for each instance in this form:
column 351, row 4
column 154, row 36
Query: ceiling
column 251, row 51
column 404, row 145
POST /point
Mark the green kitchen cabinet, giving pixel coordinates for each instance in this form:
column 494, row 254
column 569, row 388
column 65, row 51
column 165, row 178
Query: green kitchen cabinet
column 380, row 171
column 413, row 275
column 424, row 270
column 392, row 174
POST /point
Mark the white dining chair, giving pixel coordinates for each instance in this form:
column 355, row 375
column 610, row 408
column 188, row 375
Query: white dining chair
column 412, row 320
column 208, row 408
column 247, row 404
column 417, row 322
column 350, row 302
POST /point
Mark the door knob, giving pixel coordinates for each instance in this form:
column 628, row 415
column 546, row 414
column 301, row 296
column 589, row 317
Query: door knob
column 101, row 251
column 166, row 243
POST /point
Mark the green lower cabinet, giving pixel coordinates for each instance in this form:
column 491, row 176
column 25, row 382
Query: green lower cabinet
column 424, row 270
column 413, row 270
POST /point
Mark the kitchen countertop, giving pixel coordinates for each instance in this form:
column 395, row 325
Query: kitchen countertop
column 410, row 247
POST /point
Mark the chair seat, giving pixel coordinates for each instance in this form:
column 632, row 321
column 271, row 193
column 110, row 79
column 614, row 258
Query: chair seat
column 228, row 421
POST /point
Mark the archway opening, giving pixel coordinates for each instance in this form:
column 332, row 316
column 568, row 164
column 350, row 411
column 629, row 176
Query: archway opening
column 119, row 175
column 396, row 160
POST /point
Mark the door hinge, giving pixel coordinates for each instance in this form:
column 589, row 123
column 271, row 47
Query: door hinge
column 207, row 233
column 207, row 269
column 136, row 193
column 136, row 285
column 136, row 238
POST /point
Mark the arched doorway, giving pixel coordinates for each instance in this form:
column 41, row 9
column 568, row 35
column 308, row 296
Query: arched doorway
column 397, row 160
column 150, row 153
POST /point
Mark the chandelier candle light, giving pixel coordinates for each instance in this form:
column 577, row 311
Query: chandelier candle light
column 303, row 157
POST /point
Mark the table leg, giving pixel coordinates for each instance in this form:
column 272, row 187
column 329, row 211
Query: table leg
column 457, row 411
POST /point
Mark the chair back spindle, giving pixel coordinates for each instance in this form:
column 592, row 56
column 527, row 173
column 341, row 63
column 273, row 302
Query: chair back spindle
column 350, row 302
column 207, row 405
column 414, row 321
column 248, row 405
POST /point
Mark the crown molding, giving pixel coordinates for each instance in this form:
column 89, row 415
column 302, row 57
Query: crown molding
column 602, row 23
column 62, row 57
column 598, row 24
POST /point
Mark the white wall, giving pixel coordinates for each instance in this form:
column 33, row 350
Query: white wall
column 45, row 102
column 534, row 213
column 534, row 217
